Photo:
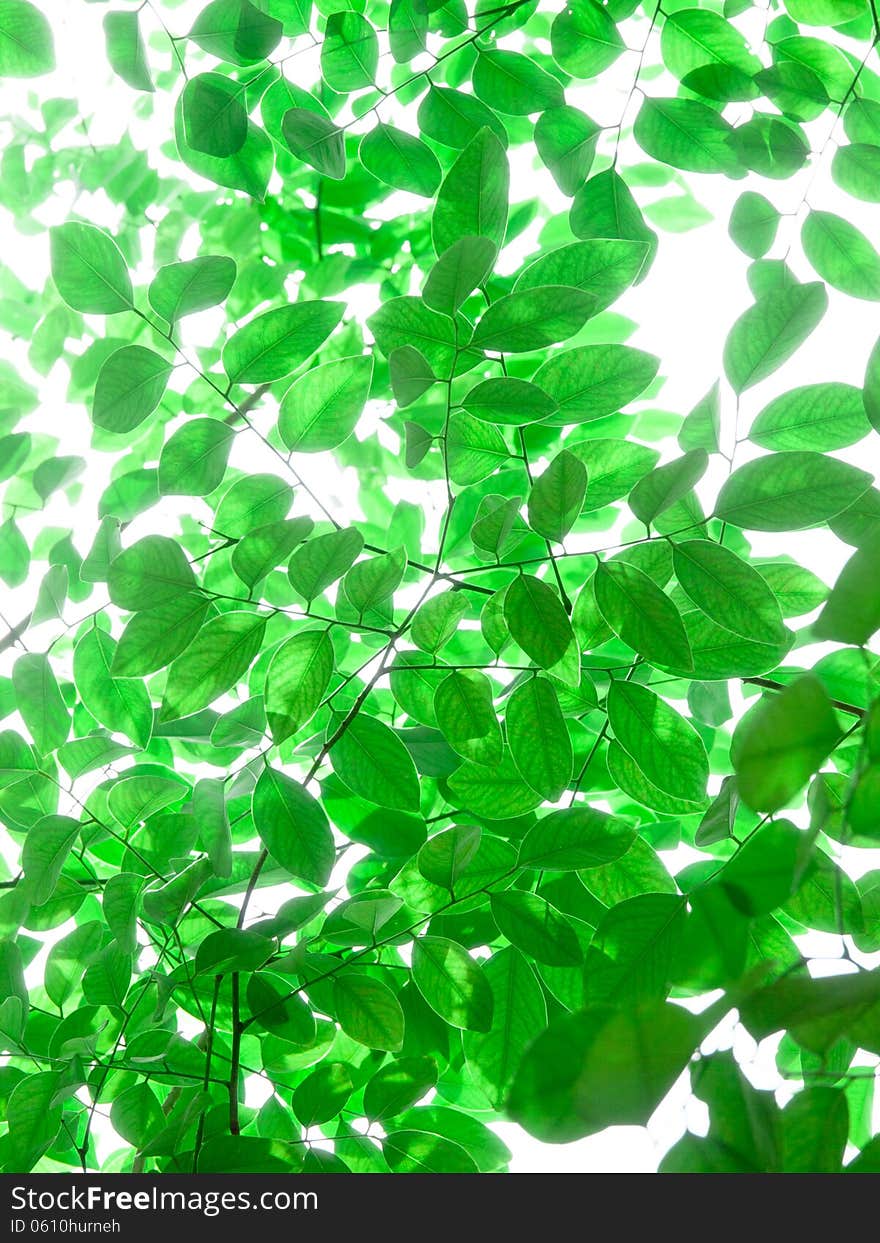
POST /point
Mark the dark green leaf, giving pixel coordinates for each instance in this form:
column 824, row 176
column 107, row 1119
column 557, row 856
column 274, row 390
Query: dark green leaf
column 781, row 742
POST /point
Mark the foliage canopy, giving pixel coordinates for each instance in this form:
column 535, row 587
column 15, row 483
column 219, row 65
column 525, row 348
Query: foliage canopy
column 389, row 650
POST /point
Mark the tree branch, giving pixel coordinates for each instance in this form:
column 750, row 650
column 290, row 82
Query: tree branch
column 770, row 685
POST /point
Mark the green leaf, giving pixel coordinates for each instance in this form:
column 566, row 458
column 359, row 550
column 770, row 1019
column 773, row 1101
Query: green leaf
column 753, row 223
column 180, row 289
column 125, row 50
column 666, row 485
column 605, row 208
column 154, row 636
column 538, row 738
column 397, row 1086
column 630, row 958
column 513, row 83
column 686, row 134
column 601, row 1067
column 444, row 857
column 532, row 319
column 466, row 716
column 454, row 118
column 368, row 1011
column 411, row 375
column 322, row 560
column 495, row 519
column 603, row 267
column 770, row 146
column 496, row 792
column 26, row 47
column 664, row 746
column 129, row 388
column 33, row 1114
column 149, row 573
column 134, row 799
column 797, row 590
column 209, row 807
column 789, row 491
column 214, row 119
column 694, row 39
column 585, row 39
column 89, row 270
column 537, row 620
column 45, row 852
column 403, row 321
column 472, row 200
column 781, row 742
column 458, row 272
column 40, row 701
column 293, row 827
column 407, row 29
column 400, row 160
column 277, row 342
column 452, row 983
column 643, row 616
column 594, row 380
column 815, row 416
column 818, row 1010
column 349, row 52
column 842, row 255
column 508, row 401
column 14, row 554
column 518, row 1011
column 856, row 169
column 728, row 590
column 276, row 1009
column 852, row 611
column 120, row 901
column 314, row 139
column 373, row 762
column 265, row 548
column 795, row 89
column 322, row 1094
column 613, row 468
column 768, row 333
column 576, row 837
column 52, row 595
column 815, row 1127
column 119, row 703
column 136, row 1114
column 193, row 460
column 249, row 169
column 232, row 949
column 764, row 872
column 371, row 582
column 322, row 407
column 536, row 929
column 236, row 31
column 566, row 140
column 437, row 620
column 474, row 450
column 296, row 679
column 419, row 1152
column 825, row 12
column 216, row 660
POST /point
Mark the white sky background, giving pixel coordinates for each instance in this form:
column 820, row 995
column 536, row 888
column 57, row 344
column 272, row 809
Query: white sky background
column 695, row 290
